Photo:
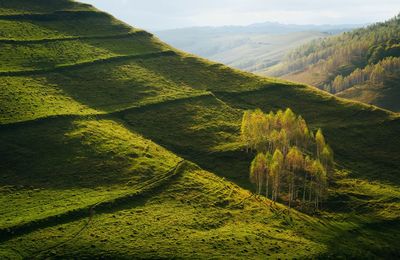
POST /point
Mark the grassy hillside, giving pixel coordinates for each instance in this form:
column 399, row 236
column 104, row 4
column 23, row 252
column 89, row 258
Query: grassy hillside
column 362, row 65
column 383, row 94
column 115, row 145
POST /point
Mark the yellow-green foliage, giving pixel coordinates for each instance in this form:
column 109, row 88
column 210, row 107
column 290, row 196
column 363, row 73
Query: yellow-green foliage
column 283, row 133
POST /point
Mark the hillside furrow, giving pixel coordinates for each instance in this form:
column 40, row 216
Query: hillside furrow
column 242, row 103
column 106, row 115
column 72, row 38
column 89, row 63
column 148, row 188
column 65, row 15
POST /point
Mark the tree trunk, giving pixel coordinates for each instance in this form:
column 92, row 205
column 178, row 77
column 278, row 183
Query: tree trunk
column 305, row 187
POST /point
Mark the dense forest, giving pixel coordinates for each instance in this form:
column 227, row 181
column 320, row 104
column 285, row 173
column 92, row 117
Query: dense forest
column 368, row 55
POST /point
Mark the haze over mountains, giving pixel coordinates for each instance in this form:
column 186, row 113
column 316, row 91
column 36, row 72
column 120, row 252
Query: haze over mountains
column 359, row 64
column 252, row 48
column 115, row 145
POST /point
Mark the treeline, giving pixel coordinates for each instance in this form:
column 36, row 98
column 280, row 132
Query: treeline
column 341, row 55
column 374, row 73
column 291, row 163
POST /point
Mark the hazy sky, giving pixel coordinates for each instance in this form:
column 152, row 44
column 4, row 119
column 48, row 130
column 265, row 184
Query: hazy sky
column 165, row 14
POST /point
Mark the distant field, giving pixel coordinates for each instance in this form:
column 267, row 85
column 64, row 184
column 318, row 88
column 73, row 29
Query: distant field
column 251, row 48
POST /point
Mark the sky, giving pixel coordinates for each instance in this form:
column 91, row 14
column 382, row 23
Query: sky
column 169, row 14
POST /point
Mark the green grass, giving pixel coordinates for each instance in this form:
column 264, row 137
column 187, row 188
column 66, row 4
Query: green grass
column 358, row 133
column 195, row 215
column 28, row 98
column 20, row 57
column 97, row 89
column 384, row 95
column 205, row 75
column 82, row 26
column 13, row 7
column 95, row 160
column 112, row 135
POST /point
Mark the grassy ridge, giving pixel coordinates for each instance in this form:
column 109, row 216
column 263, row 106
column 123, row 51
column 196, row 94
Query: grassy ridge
column 81, row 135
column 61, row 28
column 128, row 84
column 14, row 7
column 96, row 160
column 383, row 95
column 20, row 57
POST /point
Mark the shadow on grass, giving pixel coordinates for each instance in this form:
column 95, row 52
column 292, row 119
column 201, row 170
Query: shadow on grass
column 138, row 198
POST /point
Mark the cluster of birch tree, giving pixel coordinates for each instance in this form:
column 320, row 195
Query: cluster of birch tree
column 374, row 73
column 291, row 163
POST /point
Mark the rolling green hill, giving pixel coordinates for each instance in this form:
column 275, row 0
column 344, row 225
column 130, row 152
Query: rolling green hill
column 362, row 65
column 116, row 145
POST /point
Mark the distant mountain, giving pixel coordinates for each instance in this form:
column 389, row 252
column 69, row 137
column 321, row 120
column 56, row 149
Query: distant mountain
column 363, row 65
column 265, row 28
column 252, row 48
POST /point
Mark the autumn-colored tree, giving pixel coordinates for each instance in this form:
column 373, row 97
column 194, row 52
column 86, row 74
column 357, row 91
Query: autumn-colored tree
column 294, row 162
column 281, row 141
column 327, row 159
column 320, row 182
column 277, row 167
column 245, row 129
column 268, row 158
column 257, row 171
column 320, row 142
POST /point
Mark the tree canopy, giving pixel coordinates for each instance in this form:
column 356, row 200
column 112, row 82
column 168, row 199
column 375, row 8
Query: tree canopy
column 289, row 159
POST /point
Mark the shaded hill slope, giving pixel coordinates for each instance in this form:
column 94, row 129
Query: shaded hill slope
column 113, row 144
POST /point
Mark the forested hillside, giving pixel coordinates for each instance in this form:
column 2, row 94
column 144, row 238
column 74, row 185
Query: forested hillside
column 114, row 145
column 362, row 64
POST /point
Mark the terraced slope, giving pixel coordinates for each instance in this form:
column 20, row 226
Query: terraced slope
column 113, row 144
